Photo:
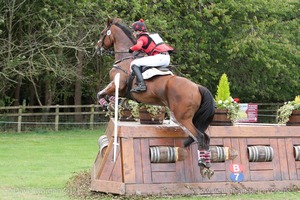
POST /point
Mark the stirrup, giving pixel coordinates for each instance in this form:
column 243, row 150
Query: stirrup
column 138, row 89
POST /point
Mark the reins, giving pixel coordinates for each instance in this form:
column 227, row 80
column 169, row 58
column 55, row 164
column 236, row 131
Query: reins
column 120, row 68
column 129, row 80
column 126, row 58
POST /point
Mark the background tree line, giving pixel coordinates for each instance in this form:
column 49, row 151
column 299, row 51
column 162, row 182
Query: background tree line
column 47, row 51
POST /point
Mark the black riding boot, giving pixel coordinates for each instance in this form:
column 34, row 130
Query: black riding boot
column 139, row 80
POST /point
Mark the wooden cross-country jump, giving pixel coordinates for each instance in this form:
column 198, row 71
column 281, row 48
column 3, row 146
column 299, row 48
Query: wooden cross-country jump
column 267, row 159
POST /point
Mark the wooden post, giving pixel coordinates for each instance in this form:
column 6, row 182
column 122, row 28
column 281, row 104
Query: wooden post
column 56, row 117
column 92, row 117
column 20, row 119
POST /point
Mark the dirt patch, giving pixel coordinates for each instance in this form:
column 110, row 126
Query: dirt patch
column 79, row 188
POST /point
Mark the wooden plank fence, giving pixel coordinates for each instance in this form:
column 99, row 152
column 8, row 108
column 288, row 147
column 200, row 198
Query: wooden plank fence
column 20, row 118
column 53, row 115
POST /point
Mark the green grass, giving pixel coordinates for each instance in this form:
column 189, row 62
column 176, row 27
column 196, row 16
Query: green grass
column 38, row 166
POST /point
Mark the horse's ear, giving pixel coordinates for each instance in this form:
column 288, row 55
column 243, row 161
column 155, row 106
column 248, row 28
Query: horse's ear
column 108, row 21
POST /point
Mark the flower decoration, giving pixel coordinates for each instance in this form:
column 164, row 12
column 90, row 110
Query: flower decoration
column 223, row 99
column 230, row 105
column 285, row 111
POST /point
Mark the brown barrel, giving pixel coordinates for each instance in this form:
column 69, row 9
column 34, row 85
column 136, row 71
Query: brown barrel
column 218, row 154
column 294, row 119
column 220, row 118
column 163, row 154
column 260, row 153
column 103, row 143
column 297, row 153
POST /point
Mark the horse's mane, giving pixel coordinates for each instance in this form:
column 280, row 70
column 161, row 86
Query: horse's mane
column 124, row 28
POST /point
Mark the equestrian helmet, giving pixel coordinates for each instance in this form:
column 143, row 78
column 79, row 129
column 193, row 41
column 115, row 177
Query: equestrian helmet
column 139, row 25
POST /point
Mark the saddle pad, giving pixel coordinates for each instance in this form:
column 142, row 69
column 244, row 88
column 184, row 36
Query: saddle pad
column 154, row 72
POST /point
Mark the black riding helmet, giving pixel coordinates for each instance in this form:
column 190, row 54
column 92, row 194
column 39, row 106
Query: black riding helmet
column 139, row 25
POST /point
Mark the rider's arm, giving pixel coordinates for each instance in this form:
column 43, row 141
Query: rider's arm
column 139, row 44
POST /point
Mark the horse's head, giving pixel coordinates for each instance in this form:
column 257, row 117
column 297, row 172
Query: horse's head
column 106, row 39
column 115, row 34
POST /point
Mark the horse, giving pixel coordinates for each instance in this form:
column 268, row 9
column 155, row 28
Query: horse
column 191, row 105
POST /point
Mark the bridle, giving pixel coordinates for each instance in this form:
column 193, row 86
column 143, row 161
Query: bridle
column 107, row 32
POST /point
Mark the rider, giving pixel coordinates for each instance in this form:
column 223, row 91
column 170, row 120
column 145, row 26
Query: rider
column 153, row 46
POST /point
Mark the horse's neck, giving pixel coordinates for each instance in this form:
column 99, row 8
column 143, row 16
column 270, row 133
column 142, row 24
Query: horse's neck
column 121, row 52
column 121, row 45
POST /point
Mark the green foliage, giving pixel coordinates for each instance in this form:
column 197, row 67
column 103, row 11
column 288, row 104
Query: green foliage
column 152, row 109
column 285, row 111
column 297, row 99
column 224, row 100
column 256, row 43
column 223, row 90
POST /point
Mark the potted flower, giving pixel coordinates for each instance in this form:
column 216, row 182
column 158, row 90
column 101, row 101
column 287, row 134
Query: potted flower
column 148, row 114
column 226, row 108
column 289, row 113
column 124, row 110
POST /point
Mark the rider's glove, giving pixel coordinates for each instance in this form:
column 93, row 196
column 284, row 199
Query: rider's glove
column 130, row 50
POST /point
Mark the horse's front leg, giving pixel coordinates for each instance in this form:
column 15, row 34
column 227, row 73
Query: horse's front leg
column 104, row 94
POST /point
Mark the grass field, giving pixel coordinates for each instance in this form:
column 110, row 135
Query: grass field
column 38, row 165
column 41, row 165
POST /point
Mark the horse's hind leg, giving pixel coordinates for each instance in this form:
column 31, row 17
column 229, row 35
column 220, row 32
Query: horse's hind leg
column 186, row 127
column 204, row 155
column 203, row 141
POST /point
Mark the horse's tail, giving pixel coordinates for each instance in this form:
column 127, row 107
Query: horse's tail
column 204, row 115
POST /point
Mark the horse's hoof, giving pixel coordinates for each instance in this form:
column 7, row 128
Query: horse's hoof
column 210, row 173
column 206, row 172
column 203, row 171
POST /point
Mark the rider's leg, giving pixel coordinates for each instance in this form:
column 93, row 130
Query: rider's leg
column 139, row 79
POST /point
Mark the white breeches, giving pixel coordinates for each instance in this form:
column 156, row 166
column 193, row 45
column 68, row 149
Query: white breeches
column 152, row 61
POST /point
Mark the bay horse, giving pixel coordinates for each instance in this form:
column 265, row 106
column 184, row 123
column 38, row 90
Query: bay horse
column 191, row 105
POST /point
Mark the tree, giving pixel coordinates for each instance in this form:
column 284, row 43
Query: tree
column 47, row 54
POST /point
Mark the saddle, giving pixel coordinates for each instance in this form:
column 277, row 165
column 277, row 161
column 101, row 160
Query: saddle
column 149, row 72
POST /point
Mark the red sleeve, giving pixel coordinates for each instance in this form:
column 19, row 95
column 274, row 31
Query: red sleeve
column 139, row 43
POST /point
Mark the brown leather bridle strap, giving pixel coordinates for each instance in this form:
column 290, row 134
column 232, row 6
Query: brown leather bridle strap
column 104, row 36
